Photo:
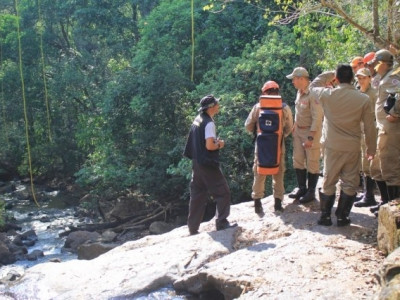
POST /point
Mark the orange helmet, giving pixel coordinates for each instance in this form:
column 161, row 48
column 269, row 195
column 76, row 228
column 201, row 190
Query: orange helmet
column 368, row 57
column 269, row 85
column 357, row 61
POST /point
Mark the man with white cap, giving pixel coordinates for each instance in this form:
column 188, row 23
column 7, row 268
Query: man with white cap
column 388, row 170
column 368, row 198
column 306, row 136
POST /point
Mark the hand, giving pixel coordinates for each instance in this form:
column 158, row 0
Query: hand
column 391, row 118
column 307, row 144
column 369, row 156
column 221, row 144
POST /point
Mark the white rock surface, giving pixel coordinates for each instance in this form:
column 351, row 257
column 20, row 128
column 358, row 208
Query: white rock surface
column 274, row 256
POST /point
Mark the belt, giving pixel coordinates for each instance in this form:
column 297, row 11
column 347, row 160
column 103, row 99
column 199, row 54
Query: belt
column 303, row 127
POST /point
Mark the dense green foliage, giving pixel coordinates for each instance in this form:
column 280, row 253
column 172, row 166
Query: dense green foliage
column 117, row 75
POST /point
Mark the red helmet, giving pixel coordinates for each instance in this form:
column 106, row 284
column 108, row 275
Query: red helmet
column 269, row 85
column 368, row 57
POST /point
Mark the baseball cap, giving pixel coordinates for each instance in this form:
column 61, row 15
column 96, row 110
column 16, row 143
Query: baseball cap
column 298, row 72
column 207, row 102
column 365, row 72
column 269, row 85
column 383, row 55
column 357, row 61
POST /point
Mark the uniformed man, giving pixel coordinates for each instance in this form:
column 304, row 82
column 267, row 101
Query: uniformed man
column 306, row 137
column 388, row 170
column 344, row 109
column 252, row 125
column 368, row 198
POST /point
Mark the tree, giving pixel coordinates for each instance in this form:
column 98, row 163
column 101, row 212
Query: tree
column 378, row 21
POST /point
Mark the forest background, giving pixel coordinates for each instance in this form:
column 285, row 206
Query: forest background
column 104, row 91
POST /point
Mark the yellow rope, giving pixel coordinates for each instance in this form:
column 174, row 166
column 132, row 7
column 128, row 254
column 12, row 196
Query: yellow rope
column 44, row 74
column 192, row 74
column 3, row 104
column 24, row 101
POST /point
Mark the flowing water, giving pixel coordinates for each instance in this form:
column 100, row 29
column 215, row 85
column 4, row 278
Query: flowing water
column 48, row 221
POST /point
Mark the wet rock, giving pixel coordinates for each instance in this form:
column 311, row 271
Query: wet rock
column 108, row 236
column 34, row 255
column 6, row 256
column 11, row 276
column 77, row 238
column 159, row 227
column 93, row 250
column 45, row 219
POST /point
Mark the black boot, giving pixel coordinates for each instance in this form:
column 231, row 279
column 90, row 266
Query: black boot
column 312, row 183
column 393, row 191
column 326, row 203
column 369, row 198
column 278, row 205
column 224, row 224
column 384, row 196
column 343, row 209
column 257, row 206
column 301, row 176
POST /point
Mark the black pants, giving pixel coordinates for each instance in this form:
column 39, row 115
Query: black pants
column 207, row 181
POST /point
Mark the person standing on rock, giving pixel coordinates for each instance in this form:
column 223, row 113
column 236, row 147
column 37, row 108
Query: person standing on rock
column 387, row 171
column 202, row 147
column 252, row 126
column 344, row 108
column 306, row 137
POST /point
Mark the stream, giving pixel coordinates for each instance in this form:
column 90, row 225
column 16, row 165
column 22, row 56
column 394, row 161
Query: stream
column 48, row 221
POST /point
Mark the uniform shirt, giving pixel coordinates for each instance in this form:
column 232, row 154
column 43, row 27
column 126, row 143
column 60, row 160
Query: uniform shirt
column 308, row 111
column 345, row 108
column 388, row 81
column 372, row 94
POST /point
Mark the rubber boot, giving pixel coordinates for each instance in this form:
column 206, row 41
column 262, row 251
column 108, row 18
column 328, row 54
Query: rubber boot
column 369, row 198
column 363, row 183
column 393, row 191
column 343, row 210
column 312, row 183
column 257, row 206
column 326, row 203
column 301, row 176
column 384, row 196
column 278, row 204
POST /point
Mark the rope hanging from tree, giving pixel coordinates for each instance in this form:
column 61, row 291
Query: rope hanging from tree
column 3, row 104
column 24, row 102
column 40, row 29
column 192, row 73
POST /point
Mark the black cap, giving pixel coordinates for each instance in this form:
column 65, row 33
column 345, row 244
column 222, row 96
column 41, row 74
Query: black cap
column 207, row 102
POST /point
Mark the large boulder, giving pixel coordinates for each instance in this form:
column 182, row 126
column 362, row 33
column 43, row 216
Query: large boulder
column 77, row 238
column 389, row 227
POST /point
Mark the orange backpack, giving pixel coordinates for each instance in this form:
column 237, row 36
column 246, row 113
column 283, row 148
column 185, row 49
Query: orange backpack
column 269, row 135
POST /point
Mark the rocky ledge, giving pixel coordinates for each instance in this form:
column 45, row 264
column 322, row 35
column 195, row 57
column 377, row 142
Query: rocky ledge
column 270, row 256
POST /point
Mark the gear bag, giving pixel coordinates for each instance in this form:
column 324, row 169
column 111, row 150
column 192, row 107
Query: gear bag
column 269, row 135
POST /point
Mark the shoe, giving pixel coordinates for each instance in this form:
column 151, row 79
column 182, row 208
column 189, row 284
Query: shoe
column 257, row 206
column 224, row 224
